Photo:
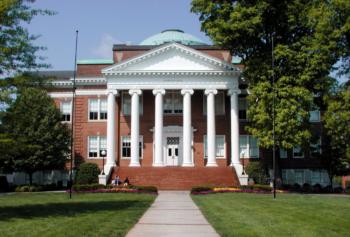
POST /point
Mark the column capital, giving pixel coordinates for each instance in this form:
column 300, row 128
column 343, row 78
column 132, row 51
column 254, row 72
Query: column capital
column 112, row 91
column 210, row 91
column 158, row 91
column 187, row 91
column 233, row 92
column 135, row 91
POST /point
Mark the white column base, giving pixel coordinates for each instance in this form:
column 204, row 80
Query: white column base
column 158, row 165
column 212, row 164
column 187, row 165
column 134, row 165
column 102, row 179
column 243, row 178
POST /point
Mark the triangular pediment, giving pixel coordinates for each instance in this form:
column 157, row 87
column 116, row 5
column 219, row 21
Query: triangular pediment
column 170, row 57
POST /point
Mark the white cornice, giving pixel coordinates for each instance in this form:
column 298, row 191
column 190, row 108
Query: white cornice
column 79, row 92
column 172, row 73
column 111, row 70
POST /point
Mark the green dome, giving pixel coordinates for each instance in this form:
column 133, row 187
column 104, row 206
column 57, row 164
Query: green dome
column 172, row 35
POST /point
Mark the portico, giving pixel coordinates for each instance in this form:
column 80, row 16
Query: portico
column 167, row 69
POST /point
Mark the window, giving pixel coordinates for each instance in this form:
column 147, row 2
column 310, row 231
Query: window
column 96, row 145
column 103, row 109
column 219, row 103
column 298, row 152
column 126, row 147
column 315, row 177
column 299, row 176
column 97, row 109
column 283, row 153
column 315, row 116
column 126, row 103
column 220, row 146
column 173, row 102
column 242, row 104
column 66, row 109
column 315, row 148
column 248, row 146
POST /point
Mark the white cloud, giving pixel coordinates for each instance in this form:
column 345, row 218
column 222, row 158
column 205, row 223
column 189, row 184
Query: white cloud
column 104, row 49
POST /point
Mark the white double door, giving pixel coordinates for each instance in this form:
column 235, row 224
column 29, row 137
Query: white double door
column 172, row 151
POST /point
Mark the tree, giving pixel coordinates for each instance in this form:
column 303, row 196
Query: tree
column 17, row 49
column 308, row 38
column 34, row 126
column 337, row 125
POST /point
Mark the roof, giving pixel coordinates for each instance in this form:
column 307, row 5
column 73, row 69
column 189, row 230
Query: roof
column 95, row 61
column 57, row 75
column 172, row 35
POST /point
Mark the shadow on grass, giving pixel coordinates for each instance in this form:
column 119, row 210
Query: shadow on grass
column 68, row 209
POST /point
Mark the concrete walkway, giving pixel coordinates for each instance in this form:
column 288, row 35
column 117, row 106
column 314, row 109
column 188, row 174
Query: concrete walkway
column 173, row 213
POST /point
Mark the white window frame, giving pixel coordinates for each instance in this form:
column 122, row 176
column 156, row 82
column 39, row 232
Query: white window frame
column 121, row 147
column 98, row 147
column 318, row 119
column 70, row 112
column 98, row 110
column 298, row 157
column 221, row 95
column 172, row 93
column 216, row 155
column 318, row 144
column 126, row 93
column 248, row 156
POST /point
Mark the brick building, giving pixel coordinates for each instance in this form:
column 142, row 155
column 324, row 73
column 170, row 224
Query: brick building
column 171, row 112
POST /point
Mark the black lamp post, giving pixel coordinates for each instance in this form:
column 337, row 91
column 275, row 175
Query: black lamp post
column 242, row 155
column 103, row 154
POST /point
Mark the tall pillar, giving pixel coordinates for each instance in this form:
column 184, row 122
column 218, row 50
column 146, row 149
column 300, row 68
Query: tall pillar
column 211, row 144
column 233, row 93
column 187, row 128
column 135, row 128
column 158, row 128
column 111, row 127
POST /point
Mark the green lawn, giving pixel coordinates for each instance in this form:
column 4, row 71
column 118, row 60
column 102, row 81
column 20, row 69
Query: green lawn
column 54, row 214
column 243, row 214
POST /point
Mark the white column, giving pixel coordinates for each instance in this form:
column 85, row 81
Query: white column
column 111, row 127
column 233, row 93
column 187, row 128
column 211, row 143
column 135, row 127
column 158, row 128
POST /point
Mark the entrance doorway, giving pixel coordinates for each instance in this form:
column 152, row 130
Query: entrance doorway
column 172, row 157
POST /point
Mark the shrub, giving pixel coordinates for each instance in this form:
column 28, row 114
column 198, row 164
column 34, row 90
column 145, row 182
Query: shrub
column 306, row 188
column 28, row 188
column 4, row 186
column 147, row 189
column 296, row 187
column 256, row 171
column 338, row 190
column 317, row 188
column 87, row 187
column 201, row 189
column 259, row 187
column 327, row 189
column 286, row 186
column 87, row 173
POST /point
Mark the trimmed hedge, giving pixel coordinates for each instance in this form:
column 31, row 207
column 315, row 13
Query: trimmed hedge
column 201, row 189
column 96, row 187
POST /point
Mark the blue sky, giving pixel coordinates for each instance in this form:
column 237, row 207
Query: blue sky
column 102, row 23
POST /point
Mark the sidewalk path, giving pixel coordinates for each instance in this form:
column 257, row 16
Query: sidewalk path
column 173, row 213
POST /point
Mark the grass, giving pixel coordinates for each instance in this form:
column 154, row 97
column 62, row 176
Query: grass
column 54, row 214
column 243, row 214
